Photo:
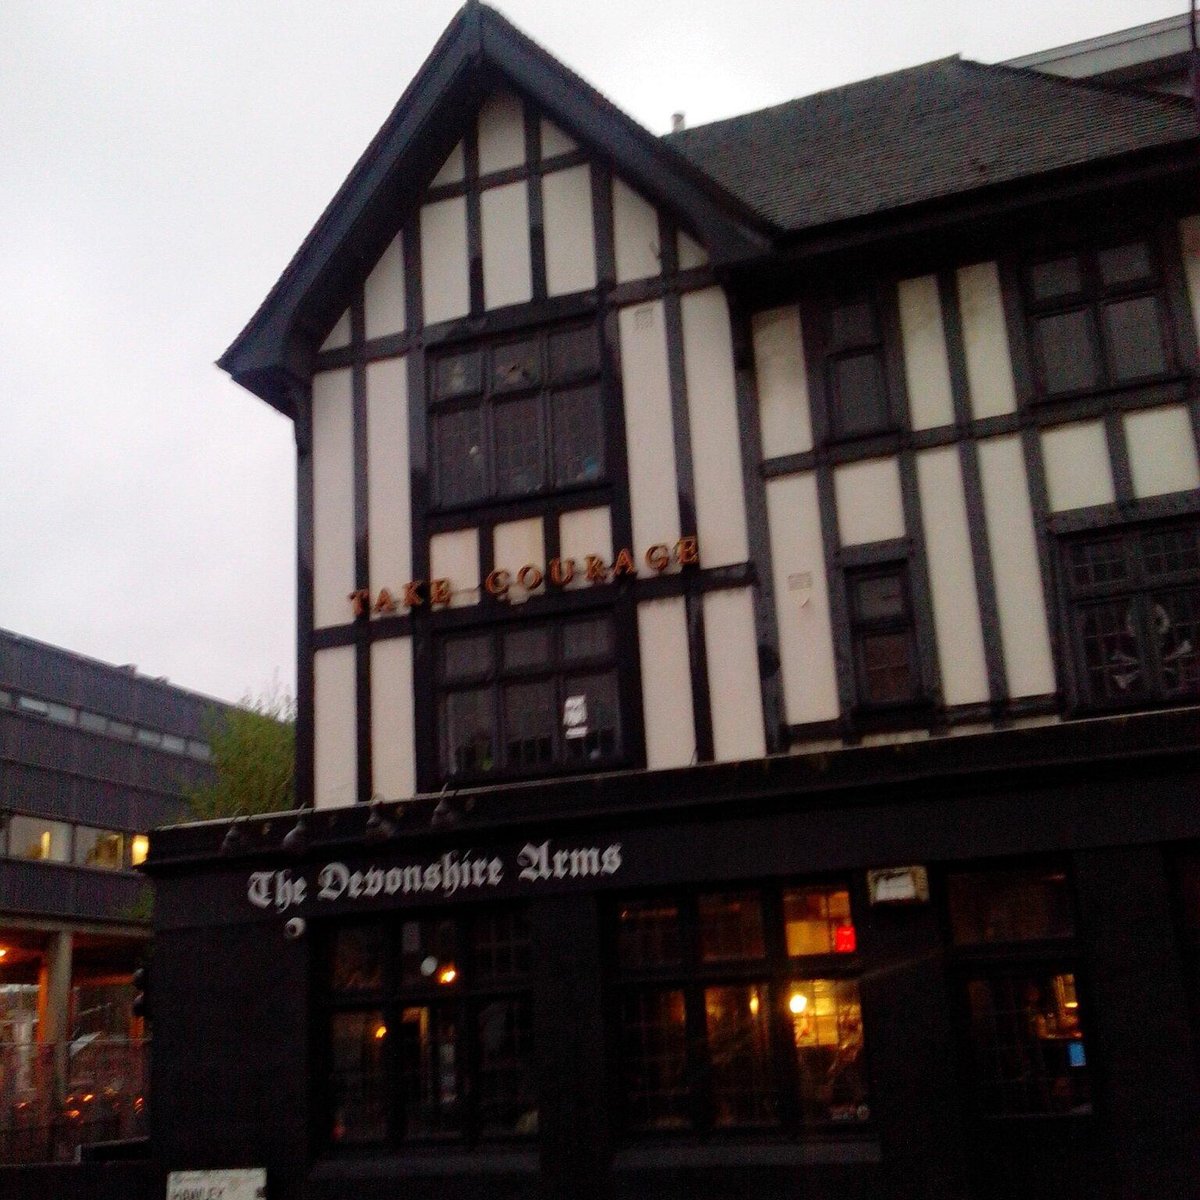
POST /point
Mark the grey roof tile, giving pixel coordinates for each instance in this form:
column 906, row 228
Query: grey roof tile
column 936, row 130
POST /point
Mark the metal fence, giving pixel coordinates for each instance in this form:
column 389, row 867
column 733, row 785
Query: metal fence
column 56, row 1097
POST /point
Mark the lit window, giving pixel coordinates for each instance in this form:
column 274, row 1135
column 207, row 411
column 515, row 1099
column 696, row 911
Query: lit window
column 431, row 1030
column 675, row 956
column 102, row 848
column 38, row 838
column 1012, row 929
column 139, row 847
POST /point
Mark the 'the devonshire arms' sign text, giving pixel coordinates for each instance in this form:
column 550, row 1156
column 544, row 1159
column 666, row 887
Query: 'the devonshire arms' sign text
column 452, row 872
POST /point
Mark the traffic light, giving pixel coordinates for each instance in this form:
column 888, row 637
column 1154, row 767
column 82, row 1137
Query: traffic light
column 141, row 992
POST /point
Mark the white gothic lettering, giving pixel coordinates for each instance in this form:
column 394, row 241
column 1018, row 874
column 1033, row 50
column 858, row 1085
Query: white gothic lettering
column 453, row 872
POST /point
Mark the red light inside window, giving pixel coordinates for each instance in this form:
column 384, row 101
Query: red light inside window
column 845, row 941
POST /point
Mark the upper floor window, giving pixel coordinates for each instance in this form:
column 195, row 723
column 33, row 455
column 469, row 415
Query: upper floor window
column 1097, row 318
column 526, row 699
column 517, row 417
column 1133, row 599
column 856, row 369
column 883, row 634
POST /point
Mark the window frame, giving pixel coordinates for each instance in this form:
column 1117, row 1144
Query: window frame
column 556, row 670
column 1007, row 959
column 489, row 399
column 1091, row 299
column 774, row 972
column 467, row 997
column 860, row 627
column 824, row 350
column 1135, row 591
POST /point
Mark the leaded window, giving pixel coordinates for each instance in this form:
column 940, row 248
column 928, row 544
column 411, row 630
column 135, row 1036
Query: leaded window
column 1134, row 613
column 739, row 1008
column 517, row 417
column 884, row 637
column 529, row 699
column 429, row 1030
column 856, row 368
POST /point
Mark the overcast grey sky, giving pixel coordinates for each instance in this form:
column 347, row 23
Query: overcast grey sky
column 160, row 162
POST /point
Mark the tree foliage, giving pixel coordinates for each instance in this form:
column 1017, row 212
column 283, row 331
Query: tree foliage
column 253, row 757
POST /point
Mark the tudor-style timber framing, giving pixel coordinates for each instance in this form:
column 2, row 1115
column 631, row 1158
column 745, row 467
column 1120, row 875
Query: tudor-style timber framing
column 860, row 887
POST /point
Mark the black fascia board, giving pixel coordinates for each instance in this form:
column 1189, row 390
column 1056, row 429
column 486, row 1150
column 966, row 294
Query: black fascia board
column 478, row 49
column 1067, row 751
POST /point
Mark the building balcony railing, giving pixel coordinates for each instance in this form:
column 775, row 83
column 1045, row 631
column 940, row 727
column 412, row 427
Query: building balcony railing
column 55, row 1098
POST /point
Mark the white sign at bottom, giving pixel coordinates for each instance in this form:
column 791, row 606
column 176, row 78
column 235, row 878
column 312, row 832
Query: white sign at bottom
column 242, row 1184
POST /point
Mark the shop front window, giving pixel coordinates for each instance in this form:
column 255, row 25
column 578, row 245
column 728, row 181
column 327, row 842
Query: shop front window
column 740, row 1009
column 430, row 1030
column 1012, row 929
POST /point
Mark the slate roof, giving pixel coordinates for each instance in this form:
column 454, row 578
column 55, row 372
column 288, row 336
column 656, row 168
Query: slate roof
column 932, row 131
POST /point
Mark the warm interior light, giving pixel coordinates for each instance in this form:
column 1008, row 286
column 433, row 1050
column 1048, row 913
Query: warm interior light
column 798, row 1002
column 3, row 952
column 754, row 1004
column 447, row 975
column 380, row 1032
column 139, row 847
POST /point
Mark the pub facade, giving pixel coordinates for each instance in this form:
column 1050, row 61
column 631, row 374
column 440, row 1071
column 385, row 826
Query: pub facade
column 749, row 591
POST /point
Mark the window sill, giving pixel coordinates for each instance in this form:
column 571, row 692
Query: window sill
column 828, row 1150
column 425, row 1161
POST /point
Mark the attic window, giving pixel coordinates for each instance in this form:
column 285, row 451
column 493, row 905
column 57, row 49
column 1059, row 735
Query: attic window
column 517, row 417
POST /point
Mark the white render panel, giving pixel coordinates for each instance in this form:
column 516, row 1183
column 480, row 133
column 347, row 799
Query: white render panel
column 1189, row 237
column 869, row 504
column 393, row 732
column 713, row 424
column 1024, row 636
column 926, row 365
column 335, row 736
column 333, row 498
column 1162, row 451
column 666, row 683
column 455, row 556
column 445, row 277
column 649, row 433
column 453, row 169
column 784, row 414
column 801, row 599
column 635, row 231
column 501, row 133
column 507, row 277
column 985, row 341
column 383, row 294
column 339, row 335
column 689, row 252
column 389, row 506
column 956, row 616
column 516, row 543
column 554, row 141
column 582, row 532
column 570, row 234
column 731, row 645
column 1078, row 471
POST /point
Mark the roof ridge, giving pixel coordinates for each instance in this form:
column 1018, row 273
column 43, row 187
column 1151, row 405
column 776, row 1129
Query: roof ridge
column 1082, row 83
column 808, row 96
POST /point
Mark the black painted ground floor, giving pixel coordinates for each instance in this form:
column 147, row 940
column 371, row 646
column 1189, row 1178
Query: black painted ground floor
column 960, row 968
